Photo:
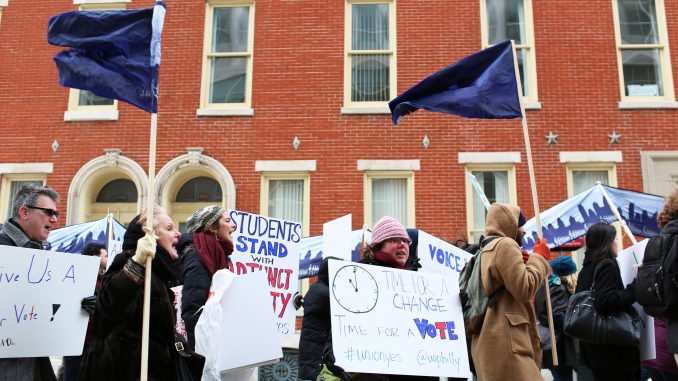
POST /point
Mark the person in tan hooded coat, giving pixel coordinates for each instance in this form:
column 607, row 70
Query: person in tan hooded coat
column 508, row 346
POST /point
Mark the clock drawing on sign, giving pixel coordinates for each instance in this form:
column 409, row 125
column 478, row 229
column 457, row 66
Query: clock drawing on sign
column 355, row 289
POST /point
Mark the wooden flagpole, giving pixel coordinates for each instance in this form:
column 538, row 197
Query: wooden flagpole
column 619, row 218
column 149, row 228
column 533, row 184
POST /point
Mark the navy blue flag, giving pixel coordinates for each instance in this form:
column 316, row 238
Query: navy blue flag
column 482, row 85
column 115, row 54
column 571, row 218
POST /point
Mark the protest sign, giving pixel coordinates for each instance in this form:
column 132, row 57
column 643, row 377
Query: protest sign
column 270, row 245
column 247, row 320
column 40, row 294
column 440, row 257
column 335, row 238
column 391, row 321
column 628, row 259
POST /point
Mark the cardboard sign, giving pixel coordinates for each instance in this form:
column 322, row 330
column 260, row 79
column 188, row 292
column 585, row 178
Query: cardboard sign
column 40, row 294
column 440, row 257
column 628, row 259
column 335, row 243
column 248, row 334
column 270, row 245
column 391, row 321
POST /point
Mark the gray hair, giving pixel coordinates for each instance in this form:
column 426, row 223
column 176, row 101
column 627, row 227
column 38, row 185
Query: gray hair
column 157, row 211
column 28, row 196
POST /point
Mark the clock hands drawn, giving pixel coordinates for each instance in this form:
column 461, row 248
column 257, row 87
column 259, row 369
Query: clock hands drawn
column 355, row 299
column 354, row 281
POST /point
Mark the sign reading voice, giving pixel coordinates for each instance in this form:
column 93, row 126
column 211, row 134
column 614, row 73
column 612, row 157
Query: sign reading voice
column 270, row 245
column 391, row 321
column 40, row 294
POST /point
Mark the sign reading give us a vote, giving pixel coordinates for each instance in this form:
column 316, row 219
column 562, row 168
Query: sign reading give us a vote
column 40, row 294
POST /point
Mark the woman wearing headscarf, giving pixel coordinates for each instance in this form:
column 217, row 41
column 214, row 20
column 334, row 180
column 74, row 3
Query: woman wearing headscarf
column 211, row 229
column 115, row 353
column 608, row 362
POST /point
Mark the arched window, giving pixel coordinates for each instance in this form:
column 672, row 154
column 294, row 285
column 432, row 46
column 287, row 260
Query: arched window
column 121, row 190
column 200, row 189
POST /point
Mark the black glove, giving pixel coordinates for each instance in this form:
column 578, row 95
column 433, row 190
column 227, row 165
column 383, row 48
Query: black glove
column 89, row 304
column 298, row 300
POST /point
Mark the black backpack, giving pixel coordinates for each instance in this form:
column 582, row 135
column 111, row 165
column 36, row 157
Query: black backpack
column 657, row 280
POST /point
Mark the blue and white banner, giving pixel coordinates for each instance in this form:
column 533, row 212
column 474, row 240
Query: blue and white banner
column 74, row 238
column 571, row 218
column 311, row 253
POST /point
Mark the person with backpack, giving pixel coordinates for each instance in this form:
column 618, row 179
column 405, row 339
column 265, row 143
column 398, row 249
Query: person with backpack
column 508, row 345
column 607, row 361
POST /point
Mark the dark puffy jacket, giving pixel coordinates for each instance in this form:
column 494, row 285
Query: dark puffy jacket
column 610, row 296
column 115, row 353
column 564, row 343
column 197, row 283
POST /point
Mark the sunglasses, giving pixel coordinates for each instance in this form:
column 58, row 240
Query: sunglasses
column 48, row 211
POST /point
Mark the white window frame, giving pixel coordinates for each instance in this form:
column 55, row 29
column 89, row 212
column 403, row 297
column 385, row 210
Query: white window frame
column 6, row 185
column 610, row 168
column 590, row 161
column 510, row 168
column 226, row 109
column 530, row 101
column 668, row 100
column 81, row 113
column 351, row 107
column 368, row 176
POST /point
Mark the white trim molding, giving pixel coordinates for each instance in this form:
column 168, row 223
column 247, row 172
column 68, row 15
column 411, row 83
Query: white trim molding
column 224, row 112
column 647, row 158
column 591, row 157
column 84, row 116
column 357, row 110
column 195, row 158
column 112, row 159
column 637, row 105
column 4, row 3
column 388, row 165
column 489, row 157
column 26, row 168
column 284, row 166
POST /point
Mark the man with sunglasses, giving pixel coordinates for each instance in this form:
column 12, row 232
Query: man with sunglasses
column 34, row 214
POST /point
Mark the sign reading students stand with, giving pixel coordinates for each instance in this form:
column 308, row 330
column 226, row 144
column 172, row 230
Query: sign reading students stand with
column 271, row 245
column 40, row 294
column 391, row 321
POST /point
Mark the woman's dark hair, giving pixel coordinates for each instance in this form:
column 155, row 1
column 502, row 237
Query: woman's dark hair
column 599, row 240
column 367, row 253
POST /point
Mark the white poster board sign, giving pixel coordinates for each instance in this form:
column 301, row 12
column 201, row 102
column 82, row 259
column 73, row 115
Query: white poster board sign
column 248, row 334
column 440, row 257
column 336, row 242
column 628, row 259
column 391, row 321
column 40, row 294
column 272, row 246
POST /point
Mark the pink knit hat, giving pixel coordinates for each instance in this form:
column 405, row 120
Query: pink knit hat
column 388, row 227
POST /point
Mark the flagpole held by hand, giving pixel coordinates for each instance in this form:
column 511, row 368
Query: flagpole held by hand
column 535, row 201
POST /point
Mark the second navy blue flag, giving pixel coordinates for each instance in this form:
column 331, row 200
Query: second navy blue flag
column 482, row 85
column 115, row 54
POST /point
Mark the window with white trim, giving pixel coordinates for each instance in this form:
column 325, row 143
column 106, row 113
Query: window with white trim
column 84, row 100
column 11, row 184
column 227, row 60
column 582, row 176
column 642, row 50
column 369, row 69
column 503, row 20
column 286, row 195
column 389, row 193
column 498, row 182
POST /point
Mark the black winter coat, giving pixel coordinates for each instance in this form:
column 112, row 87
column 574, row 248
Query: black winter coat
column 197, row 283
column 672, row 324
column 610, row 296
column 315, row 327
column 115, row 353
column 560, row 297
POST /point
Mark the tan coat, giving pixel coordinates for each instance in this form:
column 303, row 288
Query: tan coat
column 508, row 347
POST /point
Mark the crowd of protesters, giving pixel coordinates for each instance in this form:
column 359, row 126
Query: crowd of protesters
column 509, row 346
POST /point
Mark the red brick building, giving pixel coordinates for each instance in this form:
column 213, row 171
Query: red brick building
column 280, row 108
